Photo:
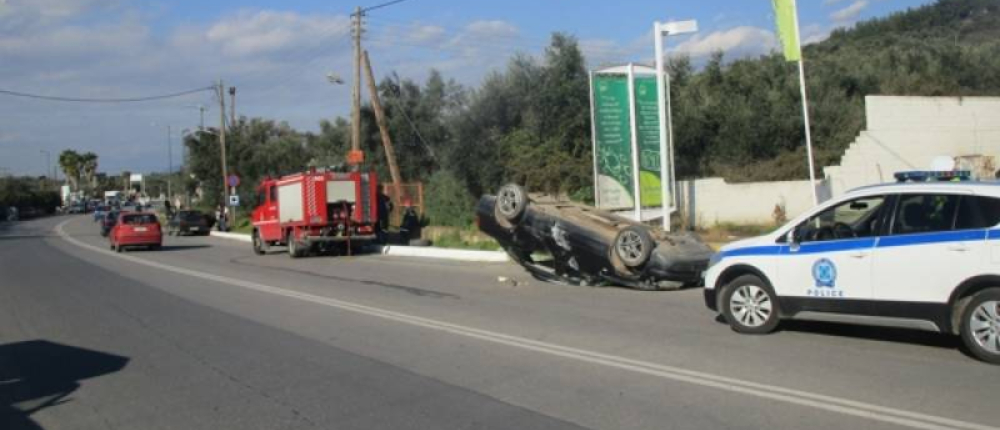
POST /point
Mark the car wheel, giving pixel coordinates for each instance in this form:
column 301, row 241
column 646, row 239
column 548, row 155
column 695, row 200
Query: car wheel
column 117, row 247
column 981, row 325
column 258, row 247
column 512, row 202
column 749, row 305
column 633, row 246
column 155, row 247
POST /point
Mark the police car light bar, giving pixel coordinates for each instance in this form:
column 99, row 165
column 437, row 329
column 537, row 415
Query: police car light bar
column 933, row 175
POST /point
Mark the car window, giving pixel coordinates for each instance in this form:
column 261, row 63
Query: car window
column 851, row 219
column 261, row 197
column 976, row 212
column 925, row 213
column 138, row 219
column 274, row 194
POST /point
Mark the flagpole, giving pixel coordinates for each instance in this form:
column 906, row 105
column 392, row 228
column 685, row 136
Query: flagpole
column 805, row 109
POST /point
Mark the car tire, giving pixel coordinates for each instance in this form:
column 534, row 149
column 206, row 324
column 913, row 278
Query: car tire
column 633, row 245
column 294, row 248
column 980, row 326
column 511, row 203
column 258, row 247
column 750, row 306
column 155, row 247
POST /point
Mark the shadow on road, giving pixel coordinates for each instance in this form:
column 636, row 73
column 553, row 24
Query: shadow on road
column 38, row 374
column 887, row 334
column 182, row 247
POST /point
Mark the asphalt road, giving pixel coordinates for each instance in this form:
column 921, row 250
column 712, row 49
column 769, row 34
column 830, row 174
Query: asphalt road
column 204, row 334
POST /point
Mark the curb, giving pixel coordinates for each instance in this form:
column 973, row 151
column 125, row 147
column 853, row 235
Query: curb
column 410, row 251
column 232, row 236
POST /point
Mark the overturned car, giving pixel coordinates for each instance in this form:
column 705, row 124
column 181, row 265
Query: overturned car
column 561, row 240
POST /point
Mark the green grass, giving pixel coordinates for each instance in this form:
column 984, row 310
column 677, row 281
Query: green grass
column 454, row 240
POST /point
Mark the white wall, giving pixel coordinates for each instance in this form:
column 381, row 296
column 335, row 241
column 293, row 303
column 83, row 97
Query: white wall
column 903, row 133
column 710, row 201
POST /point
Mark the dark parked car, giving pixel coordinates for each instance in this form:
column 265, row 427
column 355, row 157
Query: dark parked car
column 108, row 222
column 188, row 222
column 588, row 245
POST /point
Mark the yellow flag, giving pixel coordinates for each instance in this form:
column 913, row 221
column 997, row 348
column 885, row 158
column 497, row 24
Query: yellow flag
column 788, row 32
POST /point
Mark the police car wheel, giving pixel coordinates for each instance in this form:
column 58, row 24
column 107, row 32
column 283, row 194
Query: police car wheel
column 981, row 325
column 749, row 306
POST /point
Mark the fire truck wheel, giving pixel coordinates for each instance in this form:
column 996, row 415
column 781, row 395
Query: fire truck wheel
column 258, row 246
column 294, row 247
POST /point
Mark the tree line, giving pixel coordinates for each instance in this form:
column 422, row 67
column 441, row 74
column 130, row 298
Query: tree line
column 529, row 122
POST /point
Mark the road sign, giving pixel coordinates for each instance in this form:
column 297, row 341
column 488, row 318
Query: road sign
column 233, row 180
column 234, row 200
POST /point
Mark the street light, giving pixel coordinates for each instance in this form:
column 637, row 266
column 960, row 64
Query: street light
column 201, row 109
column 668, row 185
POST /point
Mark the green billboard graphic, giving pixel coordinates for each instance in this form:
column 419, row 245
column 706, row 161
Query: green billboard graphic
column 612, row 140
column 647, row 123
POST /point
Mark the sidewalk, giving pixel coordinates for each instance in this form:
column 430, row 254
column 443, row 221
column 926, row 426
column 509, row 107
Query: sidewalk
column 410, row 251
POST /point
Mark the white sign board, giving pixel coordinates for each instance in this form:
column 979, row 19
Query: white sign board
column 234, row 200
column 135, row 177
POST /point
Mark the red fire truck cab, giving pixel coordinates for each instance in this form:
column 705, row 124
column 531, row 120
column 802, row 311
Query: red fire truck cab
column 317, row 210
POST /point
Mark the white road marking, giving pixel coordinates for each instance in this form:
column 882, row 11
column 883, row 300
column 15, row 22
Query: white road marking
column 771, row 392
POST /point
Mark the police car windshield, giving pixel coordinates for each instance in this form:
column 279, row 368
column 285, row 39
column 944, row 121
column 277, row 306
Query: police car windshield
column 851, row 219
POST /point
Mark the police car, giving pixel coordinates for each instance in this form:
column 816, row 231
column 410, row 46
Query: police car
column 922, row 254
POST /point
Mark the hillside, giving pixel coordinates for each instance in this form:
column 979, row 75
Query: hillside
column 742, row 120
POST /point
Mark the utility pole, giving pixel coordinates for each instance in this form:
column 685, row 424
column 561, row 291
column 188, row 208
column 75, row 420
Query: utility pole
column 356, row 96
column 170, row 166
column 232, row 106
column 390, row 153
column 221, row 92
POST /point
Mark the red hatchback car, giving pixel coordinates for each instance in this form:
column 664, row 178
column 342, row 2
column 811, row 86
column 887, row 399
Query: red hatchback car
column 136, row 229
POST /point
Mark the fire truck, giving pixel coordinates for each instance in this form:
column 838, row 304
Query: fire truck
column 316, row 211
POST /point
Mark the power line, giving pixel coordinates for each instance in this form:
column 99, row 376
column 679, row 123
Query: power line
column 379, row 6
column 104, row 100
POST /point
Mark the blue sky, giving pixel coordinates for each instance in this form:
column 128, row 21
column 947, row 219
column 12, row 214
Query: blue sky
column 278, row 53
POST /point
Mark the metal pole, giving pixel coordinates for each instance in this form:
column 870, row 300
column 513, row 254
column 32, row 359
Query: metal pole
column 356, row 95
column 222, row 145
column 636, row 188
column 170, row 166
column 805, row 115
column 661, row 92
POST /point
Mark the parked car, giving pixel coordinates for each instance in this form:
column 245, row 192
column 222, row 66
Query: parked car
column 136, row 229
column 588, row 245
column 188, row 222
column 108, row 222
column 911, row 255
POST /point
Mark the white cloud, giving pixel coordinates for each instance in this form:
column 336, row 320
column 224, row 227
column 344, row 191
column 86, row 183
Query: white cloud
column 849, row 13
column 738, row 41
column 491, row 29
column 263, row 32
